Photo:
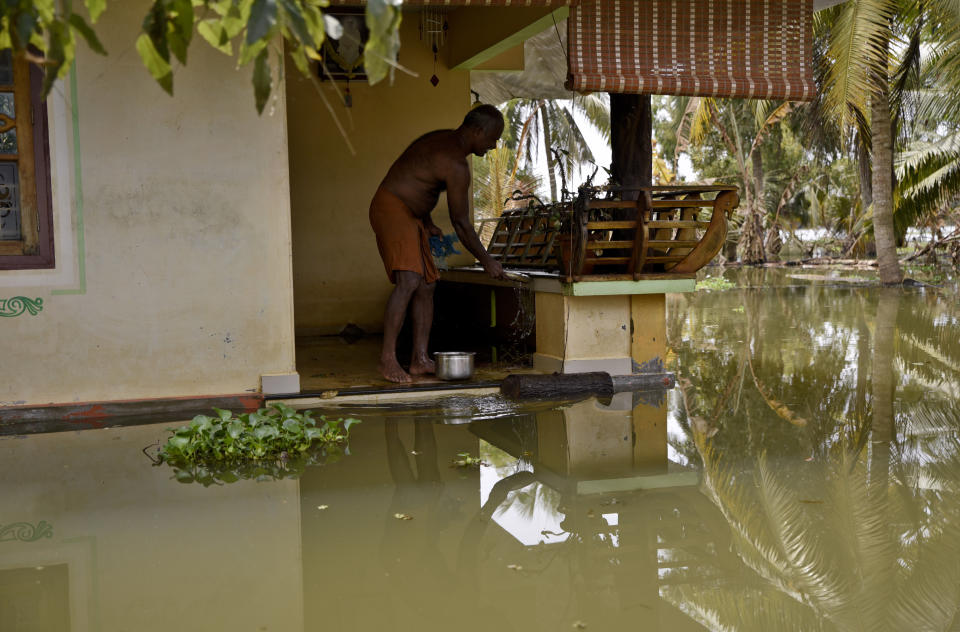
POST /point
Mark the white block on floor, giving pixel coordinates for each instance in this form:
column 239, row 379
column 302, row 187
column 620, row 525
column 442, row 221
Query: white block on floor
column 279, row 383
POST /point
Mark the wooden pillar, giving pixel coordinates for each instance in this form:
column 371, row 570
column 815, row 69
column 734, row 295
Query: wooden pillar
column 631, row 137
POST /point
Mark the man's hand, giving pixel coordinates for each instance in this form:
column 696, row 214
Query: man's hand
column 494, row 269
column 432, row 228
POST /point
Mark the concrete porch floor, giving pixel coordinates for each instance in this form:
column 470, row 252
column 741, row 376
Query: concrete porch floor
column 330, row 363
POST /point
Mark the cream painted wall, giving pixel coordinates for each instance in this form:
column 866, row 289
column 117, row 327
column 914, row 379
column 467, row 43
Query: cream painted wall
column 185, row 214
column 337, row 272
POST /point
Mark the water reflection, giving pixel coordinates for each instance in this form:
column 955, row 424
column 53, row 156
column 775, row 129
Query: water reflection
column 804, row 476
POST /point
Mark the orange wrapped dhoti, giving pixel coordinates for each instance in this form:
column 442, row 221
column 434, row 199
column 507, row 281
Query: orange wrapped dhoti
column 402, row 239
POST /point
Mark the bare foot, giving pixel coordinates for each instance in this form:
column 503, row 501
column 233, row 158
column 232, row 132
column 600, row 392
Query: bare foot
column 422, row 366
column 393, row 372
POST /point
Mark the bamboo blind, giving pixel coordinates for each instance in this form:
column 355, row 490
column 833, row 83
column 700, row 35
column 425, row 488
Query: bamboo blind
column 467, row 3
column 725, row 48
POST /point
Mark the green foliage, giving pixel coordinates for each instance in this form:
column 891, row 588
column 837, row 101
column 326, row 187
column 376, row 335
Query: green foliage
column 273, row 442
column 716, row 284
column 46, row 31
column 549, row 127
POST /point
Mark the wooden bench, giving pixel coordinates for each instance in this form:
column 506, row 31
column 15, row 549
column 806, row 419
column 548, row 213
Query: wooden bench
column 610, row 233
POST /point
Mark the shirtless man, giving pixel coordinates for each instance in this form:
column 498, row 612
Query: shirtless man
column 400, row 217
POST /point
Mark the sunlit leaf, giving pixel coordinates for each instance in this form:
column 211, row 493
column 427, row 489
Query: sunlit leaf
column 158, row 67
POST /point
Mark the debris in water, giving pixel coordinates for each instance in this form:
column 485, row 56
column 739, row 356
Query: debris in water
column 515, row 567
column 812, row 502
column 329, row 394
column 402, row 516
column 322, row 507
column 579, row 625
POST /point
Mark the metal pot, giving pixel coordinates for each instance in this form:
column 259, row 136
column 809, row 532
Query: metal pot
column 454, row 365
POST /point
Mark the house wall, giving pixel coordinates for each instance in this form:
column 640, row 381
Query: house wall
column 171, row 216
column 337, row 272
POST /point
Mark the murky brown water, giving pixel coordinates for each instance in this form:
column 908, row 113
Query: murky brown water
column 806, row 476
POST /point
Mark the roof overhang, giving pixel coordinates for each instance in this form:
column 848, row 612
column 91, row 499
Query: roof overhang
column 534, row 53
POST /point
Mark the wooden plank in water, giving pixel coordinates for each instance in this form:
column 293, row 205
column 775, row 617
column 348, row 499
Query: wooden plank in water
column 665, row 259
column 522, row 386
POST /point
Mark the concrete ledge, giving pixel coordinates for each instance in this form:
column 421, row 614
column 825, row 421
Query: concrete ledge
column 550, row 364
column 81, row 416
column 551, row 283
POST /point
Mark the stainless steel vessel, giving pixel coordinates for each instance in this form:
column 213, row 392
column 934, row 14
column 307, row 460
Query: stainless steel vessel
column 454, row 365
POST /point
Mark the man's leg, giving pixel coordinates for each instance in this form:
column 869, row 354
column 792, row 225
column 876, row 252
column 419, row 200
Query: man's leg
column 406, row 285
column 421, row 363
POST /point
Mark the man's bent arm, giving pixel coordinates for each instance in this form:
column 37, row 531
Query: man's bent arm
column 458, row 185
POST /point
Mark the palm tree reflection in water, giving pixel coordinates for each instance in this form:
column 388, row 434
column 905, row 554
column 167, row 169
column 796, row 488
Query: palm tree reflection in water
column 862, row 534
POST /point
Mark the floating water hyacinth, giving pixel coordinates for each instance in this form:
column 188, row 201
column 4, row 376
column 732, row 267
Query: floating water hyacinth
column 272, row 443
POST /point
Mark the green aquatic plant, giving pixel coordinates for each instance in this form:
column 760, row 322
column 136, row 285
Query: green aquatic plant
column 272, row 443
column 717, row 283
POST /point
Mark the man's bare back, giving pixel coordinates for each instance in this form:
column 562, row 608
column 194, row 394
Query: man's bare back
column 420, row 174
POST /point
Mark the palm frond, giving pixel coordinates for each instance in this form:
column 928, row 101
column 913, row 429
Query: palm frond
column 857, row 53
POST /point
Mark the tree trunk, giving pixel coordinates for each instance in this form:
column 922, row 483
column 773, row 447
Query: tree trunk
column 757, row 163
column 547, row 146
column 863, row 167
column 631, row 139
column 750, row 247
column 884, row 387
column 882, row 184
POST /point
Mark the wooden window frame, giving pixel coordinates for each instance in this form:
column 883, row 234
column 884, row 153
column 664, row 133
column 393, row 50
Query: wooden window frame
column 34, row 251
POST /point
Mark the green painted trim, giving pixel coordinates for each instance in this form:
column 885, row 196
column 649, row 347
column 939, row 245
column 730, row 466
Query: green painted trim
column 77, row 189
column 615, row 288
column 25, row 531
column 11, row 307
column 516, row 39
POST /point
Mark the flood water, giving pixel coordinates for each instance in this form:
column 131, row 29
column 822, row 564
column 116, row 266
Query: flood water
column 805, row 475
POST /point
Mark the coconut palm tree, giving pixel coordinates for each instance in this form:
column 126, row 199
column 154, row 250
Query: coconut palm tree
column 550, row 126
column 871, row 65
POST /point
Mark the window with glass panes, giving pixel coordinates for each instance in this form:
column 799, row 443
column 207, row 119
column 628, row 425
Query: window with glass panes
column 25, row 219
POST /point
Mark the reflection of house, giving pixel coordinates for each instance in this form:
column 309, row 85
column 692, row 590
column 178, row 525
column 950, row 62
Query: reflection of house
column 124, row 547
column 181, row 242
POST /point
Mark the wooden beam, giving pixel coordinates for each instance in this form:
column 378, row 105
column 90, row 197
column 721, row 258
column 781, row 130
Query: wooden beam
column 631, row 136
